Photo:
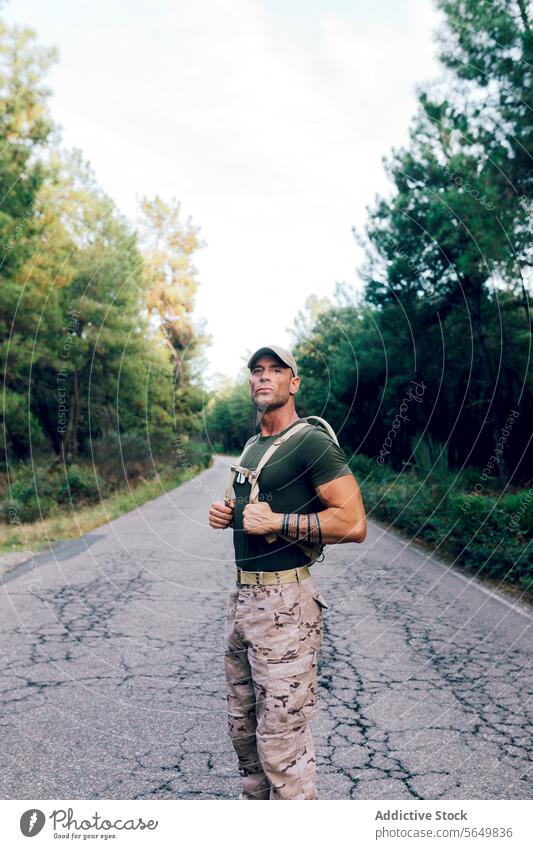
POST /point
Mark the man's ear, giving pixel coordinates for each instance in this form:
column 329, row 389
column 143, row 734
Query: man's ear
column 294, row 389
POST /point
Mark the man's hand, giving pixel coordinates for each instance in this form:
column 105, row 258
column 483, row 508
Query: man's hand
column 221, row 516
column 259, row 519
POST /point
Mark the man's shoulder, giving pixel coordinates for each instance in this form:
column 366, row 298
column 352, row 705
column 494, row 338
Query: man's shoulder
column 309, row 444
column 321, row 456
column 314, row 436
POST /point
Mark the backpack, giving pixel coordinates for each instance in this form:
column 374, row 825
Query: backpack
column 314, row 551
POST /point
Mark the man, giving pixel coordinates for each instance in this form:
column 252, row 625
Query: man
column 274, row 621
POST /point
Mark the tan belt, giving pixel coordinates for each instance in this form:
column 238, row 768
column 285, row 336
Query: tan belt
column 286, row 576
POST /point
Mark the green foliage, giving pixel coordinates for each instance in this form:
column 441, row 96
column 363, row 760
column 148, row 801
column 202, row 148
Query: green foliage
column 13, row 511
column 19, row 427
column 230, row 417
column 123, row 456
column 25, row 126
column 493, row 535
column 448, row 254
column 96, row 333
column 198, row 454
column 432, row 460
column 34, row 492
column 80, row 484
column 445, row 304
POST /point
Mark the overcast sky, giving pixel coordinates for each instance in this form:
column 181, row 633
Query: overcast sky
column 267, row 119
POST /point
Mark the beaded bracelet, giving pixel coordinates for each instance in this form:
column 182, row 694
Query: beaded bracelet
column 294, row 526
column 318, row 529
column 291, row 527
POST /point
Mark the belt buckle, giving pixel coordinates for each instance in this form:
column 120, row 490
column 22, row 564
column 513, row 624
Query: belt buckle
column 257, row 578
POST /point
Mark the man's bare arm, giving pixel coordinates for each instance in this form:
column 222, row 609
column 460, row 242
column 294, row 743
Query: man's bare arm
column 345, row 517
column 344, row 520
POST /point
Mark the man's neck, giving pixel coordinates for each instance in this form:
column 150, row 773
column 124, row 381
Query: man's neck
column 276, row 421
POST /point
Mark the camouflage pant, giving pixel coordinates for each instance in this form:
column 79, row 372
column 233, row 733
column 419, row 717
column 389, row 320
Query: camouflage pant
column 273, row 635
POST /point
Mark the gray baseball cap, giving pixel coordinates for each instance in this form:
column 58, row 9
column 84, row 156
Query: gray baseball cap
column 282, row 353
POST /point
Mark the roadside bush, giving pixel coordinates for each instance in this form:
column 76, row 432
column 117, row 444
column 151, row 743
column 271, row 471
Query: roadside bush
column 361, row 465
column 367, row 467
column 487, row 538
column 490, row 534
column 37, row 492
column 123, row 456
column 12, row 511
column 196, row 453
column 80, row 485
column 28, row 495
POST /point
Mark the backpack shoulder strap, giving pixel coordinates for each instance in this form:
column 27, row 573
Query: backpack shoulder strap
column 275, row 445
column 254, row 493
column 253, row 475
column 314, row 551
column 228, row 495
column 326, row 426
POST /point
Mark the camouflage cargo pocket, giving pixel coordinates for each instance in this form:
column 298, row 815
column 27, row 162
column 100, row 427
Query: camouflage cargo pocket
column 232, row 604
column 291, row 598
column 319, row 598
column 300, row 600
column 230, row 616
column 286, row 695
column 304, row 607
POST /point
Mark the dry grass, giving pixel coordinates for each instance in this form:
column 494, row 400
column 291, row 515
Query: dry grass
column 70, row 523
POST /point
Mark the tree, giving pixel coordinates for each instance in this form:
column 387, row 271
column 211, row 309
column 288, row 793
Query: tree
column 25, row 131
column 230, row 417
column 447, row 250
column 97, row 340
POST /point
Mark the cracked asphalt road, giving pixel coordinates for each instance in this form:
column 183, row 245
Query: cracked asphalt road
column 112, row 671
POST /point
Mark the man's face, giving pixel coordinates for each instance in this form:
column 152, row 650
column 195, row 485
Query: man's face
column 271, row 383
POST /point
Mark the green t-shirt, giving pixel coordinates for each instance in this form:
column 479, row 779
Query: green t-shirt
column 287, row 483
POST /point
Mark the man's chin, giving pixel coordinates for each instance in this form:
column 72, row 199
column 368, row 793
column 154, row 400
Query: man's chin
column 266, row 406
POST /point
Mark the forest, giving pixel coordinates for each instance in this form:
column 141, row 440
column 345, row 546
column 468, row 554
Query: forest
column 425, row 374
column 424, row 370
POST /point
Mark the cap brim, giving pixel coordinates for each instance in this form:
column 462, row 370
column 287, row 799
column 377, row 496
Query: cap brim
column 262, row 351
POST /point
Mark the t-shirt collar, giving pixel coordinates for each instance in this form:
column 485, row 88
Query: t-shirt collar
column 275, row 435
